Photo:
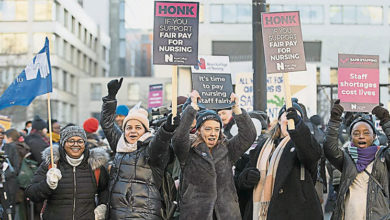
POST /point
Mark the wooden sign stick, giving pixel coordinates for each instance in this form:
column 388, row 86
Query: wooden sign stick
column 287, row 96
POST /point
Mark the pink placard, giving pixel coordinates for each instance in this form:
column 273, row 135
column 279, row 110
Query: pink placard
column 166, row 9
column 155, row 96
column 358, row 85
column 286, row 19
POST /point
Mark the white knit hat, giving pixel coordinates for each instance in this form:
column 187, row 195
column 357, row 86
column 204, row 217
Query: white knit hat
column 138, row 114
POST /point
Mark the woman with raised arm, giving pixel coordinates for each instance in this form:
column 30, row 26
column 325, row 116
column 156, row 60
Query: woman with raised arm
column 140, row 160
column 282, row 171
column 364, row 166
column 207, row 189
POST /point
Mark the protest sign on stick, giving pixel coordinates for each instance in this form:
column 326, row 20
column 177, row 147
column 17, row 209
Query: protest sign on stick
column 283, row 47
column 175, row 37
column 358, row 82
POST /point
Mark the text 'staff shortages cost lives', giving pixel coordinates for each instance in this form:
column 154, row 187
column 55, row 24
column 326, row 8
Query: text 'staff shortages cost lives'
column 358, row 82
column 175, row 34
column 283, row 45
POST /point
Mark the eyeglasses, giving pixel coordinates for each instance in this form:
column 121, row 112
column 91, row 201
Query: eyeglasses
column 73, row 142
column 365, row 133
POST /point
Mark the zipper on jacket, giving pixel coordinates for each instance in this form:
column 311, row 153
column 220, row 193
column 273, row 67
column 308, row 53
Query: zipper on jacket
column 74, row 191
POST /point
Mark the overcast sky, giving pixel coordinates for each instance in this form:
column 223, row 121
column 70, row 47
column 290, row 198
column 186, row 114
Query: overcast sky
column 139, row 14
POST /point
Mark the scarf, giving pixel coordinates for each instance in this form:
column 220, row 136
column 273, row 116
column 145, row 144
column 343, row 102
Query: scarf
column 75, row 161
column 267, row 164
column 55, row 137
column 362, row 156
column 124, row 147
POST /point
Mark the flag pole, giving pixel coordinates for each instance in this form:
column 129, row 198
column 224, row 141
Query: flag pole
column 174, row 91
column 50, row 132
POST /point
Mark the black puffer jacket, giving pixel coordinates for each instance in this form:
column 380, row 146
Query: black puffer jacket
column 74, row 197
column 378, row 204
column 135, row 177
column 207, row 184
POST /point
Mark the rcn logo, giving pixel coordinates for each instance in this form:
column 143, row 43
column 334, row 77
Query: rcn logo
column 201, row 64
column 38, row 64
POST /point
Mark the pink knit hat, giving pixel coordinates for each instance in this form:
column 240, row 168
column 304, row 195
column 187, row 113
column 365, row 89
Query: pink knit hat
column 140, row 115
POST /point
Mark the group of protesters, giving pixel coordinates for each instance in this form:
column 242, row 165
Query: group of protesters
column 198, row 164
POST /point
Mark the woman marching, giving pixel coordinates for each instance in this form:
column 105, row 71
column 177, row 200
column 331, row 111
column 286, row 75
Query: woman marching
column 207, row 189
column 282, row 172
column 140, row 160
column 364, row 187
column 70, row 188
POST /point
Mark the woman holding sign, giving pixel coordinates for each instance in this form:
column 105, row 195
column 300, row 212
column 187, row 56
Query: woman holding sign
column 364, row 186
column 282, row 172
column 207, row 189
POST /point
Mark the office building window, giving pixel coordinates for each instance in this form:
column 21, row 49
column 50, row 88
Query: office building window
column 43, row 10
column 66, row 18
column 352, row 14
column 309, row 14
column 13, row 43
column 312, row 51
column 236, row 50
column 96, row 91
column 168, row 91
column 333, row 76
column 215, row 13
column 64, row 80
column 231, row 13
column 133, row 91
column 14, row 10
column 244, row 13
column 73, row 24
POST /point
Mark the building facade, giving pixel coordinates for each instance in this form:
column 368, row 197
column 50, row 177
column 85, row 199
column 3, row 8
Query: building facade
column 78, row 46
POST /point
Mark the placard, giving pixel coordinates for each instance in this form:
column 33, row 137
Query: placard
column 358, row 82
column 175, row 33
column 214, row 89
column 155, row 98
column 283, row 44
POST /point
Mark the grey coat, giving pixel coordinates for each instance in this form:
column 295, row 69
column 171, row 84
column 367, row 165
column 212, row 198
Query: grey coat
column 207, row 185
column 377, row 199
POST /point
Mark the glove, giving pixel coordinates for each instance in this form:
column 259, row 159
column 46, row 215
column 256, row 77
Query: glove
column 52, row 177
column 113, row 87
column 382, row 114
column 100, row 212
column 292, row 114
column 168, row 126
column 249, row 177
column 337, row 111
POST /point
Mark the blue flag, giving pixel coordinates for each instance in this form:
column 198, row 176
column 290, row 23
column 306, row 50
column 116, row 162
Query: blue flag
column 33, row 81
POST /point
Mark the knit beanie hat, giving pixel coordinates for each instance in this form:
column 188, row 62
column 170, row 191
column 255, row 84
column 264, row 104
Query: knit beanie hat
column 138, row 114
column 294, row 105
column 122, row 110
column 91, row 125
column 363, row 118
column 207, row 115
column 38, row 123
column 71, row 131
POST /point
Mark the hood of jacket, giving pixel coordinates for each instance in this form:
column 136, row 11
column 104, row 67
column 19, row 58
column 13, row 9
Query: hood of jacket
column 96, row 157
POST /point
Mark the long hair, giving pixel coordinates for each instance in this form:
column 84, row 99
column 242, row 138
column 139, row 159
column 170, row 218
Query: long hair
column 274, row 131
column 199, row 139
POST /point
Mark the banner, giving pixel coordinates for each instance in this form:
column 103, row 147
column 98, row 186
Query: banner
column 175, row 33
column 155, row 98
column 244, row 90
column 283, row 44
column 34, row 80
column 358, row 82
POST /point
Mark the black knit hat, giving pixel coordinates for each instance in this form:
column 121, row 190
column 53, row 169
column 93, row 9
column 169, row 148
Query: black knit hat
column 207, row 115
column 363, row 118
column 294, row 105
column 38, row 123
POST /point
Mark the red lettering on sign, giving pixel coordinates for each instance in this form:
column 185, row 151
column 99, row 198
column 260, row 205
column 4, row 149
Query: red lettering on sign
column 287, row 19
column 164, row 9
